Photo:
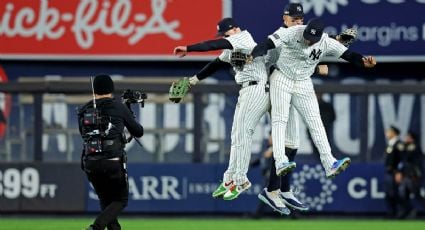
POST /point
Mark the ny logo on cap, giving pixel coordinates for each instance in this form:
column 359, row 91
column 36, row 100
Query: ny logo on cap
column 299, row 8
column 313, row 31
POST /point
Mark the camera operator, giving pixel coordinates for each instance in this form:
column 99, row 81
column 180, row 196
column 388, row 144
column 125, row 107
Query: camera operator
column 101, row 123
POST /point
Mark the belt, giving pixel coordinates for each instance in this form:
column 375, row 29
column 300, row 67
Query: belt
column 248, row 83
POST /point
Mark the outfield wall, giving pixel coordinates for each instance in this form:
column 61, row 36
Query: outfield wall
column 184, row 188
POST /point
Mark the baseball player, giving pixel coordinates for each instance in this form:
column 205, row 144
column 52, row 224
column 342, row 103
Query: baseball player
column 253, row 101
column 302, row 49
column 293, row 15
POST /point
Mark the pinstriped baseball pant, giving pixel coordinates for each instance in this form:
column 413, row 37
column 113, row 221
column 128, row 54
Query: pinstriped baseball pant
column 292, row 138
column 253, row 103
column 283, row 93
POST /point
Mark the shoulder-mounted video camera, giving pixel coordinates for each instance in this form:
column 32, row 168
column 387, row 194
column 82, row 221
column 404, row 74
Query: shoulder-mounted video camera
column 134, row 97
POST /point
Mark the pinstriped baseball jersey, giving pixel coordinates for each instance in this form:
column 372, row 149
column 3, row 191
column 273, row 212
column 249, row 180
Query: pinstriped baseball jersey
column 291, row 85
column 253, row 103
column 243, row 42
column 298, row 59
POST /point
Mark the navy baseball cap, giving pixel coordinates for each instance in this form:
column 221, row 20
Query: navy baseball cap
column 314, row 30
column 225, row 25
column 294, row 10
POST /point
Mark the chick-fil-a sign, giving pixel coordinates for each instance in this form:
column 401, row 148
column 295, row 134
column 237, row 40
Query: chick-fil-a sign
column 122, row 29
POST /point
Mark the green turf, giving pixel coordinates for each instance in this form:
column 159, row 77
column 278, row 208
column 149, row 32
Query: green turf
column 212, row 224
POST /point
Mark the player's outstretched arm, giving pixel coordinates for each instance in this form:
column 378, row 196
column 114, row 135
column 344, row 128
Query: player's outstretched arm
column 209, row 69
column 217, row 44
column 358, row 60
column 262, row 48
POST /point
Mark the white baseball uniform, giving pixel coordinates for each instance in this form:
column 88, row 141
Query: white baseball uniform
column 291, row 84
column 253, row 103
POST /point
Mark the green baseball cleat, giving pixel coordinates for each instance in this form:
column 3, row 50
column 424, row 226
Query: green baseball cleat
column 236, row 190
column 222, row 189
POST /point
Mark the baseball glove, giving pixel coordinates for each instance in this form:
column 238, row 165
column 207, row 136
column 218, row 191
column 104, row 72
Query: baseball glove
column 238, row 60
column 347, row 37
column 179, row 89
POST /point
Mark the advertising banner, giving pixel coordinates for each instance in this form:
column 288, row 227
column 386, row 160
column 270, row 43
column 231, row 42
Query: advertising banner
column 188, row 188
column 41, row 187
column 105, row 29
column 383, row 30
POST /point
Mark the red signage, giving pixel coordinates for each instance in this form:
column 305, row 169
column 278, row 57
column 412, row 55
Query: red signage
column 5, row 104
column 105, row 29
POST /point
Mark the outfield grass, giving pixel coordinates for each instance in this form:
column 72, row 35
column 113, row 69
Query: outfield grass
column 24, row 223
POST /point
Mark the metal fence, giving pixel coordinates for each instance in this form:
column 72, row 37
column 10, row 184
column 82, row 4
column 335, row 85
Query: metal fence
column 24, row 140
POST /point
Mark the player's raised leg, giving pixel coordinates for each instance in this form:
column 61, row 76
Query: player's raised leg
column 280, row 96
column 228, row 182
column 305, row 102
column 253, row 105
column 292, row 143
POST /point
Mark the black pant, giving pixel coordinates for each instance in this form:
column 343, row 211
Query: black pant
column 282, row 182
column 109, row 180
column 391, row 194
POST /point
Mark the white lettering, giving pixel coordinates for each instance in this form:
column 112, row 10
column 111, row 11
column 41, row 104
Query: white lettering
column 86, row 23
column 30, row 182
column 132, row 189
column 390, row 116
column 90, row 17
column 147, row 117
column 26, row 25
column 55, row 116
column 11, row 183
column 319, row 7
column 156, row 24
column 215, row 122
column 4, row 24
column 171, row 119
column 169, row 188
column 357, row 193
column 189, row 142
column 374, row 192
column 25, row 16
column 48, row 190
column 149, row 186
column 342, row 129
column 385, row 35
column 48, row 21
column 153, row 188
column 370, row 1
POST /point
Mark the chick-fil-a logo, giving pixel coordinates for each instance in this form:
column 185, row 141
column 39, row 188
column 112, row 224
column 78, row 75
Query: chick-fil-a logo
column 104, row 26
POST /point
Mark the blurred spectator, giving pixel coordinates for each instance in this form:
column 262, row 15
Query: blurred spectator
column 410, row 176
column 328, row 116
column 392, row 179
